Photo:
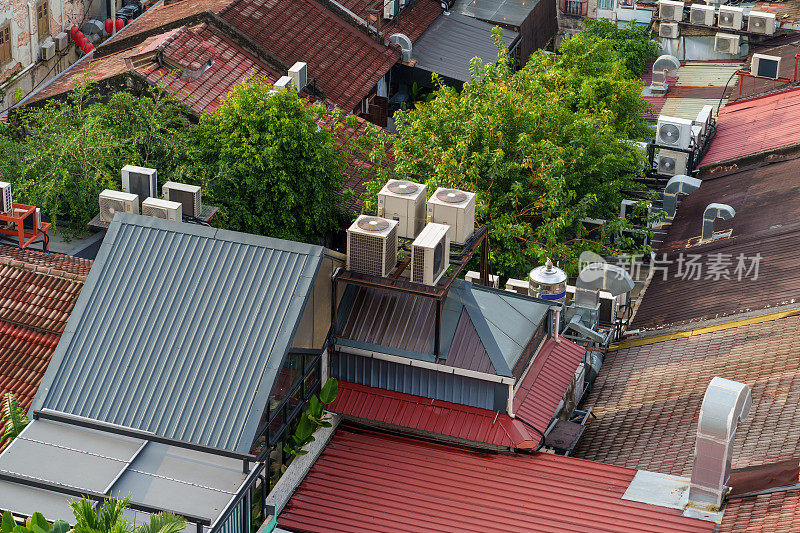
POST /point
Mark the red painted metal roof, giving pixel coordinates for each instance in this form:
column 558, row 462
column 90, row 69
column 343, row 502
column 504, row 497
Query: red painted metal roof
column 546, row 381
column 756, row 125
column 432, row 416
column 368, row 481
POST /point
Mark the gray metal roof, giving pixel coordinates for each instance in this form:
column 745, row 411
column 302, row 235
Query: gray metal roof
column 181, row 330
column 452, row 41
column 506, row 12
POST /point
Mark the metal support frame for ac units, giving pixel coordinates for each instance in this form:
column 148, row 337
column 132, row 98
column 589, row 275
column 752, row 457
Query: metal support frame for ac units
column 783, row 79
column 696, row 153
column 714, row 28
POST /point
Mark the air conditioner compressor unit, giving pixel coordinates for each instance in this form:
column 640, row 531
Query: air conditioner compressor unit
column 673, row 132
column 456, row 209
column 730, row 17
column 372, row 246
column 404, row 201
column 155, row 207
column 430, row 254
column 6, row 202
column 112, row 202
column 700, row 14
column 726, row 43
column 671, row 162
column 187, row 195
column 141, row 181
column 764, row 66
column 48, row 50
column 670, row 10
column 760, row 22
column 669, row 30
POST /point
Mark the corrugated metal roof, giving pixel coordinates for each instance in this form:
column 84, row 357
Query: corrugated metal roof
column 452, row 41
column 430, row 416
column 368, row 481
column 507, row 12
column 706, row 73
column 181, row 330
column 688, row 108
column 756, row 125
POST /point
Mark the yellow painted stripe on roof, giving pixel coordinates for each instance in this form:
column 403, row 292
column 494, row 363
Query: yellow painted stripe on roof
column 699, row 331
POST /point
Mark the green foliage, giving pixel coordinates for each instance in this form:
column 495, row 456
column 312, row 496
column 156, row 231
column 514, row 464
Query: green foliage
column 63, row 154
column 312, row 418
column 35, row 524
column 631, row 44
column 265, row 161
column 14, row 419
column 109, row 518
column 542, row 147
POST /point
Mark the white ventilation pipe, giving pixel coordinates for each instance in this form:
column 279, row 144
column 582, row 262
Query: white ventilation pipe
column 404, row 43
column 677, row 185
column 711, row 214
column 663, row 67
column 725, row 403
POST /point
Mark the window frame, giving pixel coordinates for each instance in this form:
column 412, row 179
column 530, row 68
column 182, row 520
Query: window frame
column 43, row 32
column 6, row 27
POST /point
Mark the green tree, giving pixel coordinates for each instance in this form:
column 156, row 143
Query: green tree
column 542, row 147
column 264, row 159
column 631, row 43
column 109, row 518
column 14, row 419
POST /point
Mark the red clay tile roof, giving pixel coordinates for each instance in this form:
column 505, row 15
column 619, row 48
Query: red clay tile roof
column 345, row 62
column 431, row 416
column 647, row 400
column 37, row 294
column 414, row 19
column 547, row 380
column 755, row 125
column 366, row 481
column 168, row 14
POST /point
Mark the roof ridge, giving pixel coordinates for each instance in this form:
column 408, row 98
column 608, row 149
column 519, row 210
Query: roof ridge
column 40, row 269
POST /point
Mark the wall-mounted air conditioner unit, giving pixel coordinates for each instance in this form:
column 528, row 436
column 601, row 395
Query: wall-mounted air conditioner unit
column 372, row 246
column 430, row 254
column 704, row 120
column 404, row 201
column 284, row 83
column 765, row 66
column 188, row 195
column 760, row 22
column 390, row 9
column 112, row 202
column 673, row 132
column 726, row 43
column 456, row 209
column 670, row 10
column 6, row 203
column 669, row 30
column 671, row 163
column 62, row 41
column 700, row 14
column 730, row 17
column 155, row 207
column 299, row 75
column 48, row 50
column 141, row 181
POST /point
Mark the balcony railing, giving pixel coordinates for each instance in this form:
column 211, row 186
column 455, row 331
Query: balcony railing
column 578, row 8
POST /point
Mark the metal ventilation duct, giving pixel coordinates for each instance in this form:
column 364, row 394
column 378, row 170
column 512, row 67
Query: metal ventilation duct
column 677, row 185
column 404, row 43
column 604, row 277
column 725, row 403
column 712, row 213
column 663, row 67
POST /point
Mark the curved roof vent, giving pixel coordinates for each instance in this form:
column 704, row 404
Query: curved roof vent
column 404, row 43
column 711, row 214
column 663, row 67
column 677, row 185
column 725, row 403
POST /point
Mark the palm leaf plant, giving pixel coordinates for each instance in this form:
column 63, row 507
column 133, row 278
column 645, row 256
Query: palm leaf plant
column 14, row 420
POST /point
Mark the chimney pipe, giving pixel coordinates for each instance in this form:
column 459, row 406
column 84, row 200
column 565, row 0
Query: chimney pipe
column 712, row 213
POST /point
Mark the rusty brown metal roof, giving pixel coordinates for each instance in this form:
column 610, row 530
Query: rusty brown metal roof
column 756, row 86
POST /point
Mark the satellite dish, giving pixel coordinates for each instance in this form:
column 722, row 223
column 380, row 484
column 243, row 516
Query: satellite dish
column 373, row 224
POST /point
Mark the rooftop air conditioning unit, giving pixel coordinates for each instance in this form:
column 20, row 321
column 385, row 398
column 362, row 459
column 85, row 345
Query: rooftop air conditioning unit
column 112, row 202
column 673, row 132
column 62, row 41
column 456, row 209
column 155, row 207
column 404, row 201
column 372, row 246
column 141, row 181
column 283, row 83
column 670, row 10
column 299, row 75
column 389, row 9
column 187, row 195
column 672, row 163
column 430, row 254
column 700, row 14
column 704, row 119
column 760, row 22
column 730, row 17
column 765, row 66
column 726, row 43
column 669, row 30
column 6, row 204
column 48, row 50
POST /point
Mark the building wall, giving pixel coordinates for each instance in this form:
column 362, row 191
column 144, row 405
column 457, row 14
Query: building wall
column 538, row 29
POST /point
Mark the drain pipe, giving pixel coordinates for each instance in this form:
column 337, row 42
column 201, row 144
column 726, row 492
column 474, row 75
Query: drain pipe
column 30, row 34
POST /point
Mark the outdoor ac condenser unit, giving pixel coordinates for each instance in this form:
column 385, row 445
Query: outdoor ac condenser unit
column 726, row 43
column 141, row 181
column 669, row 30
column 730, row 17
column 389, row 9
column 700, row 14
column 6, row 203
column 765, row 66
column 112, row 202
column 187, row 195
column 760, row 22
column 372, row 245
column 673, row 132
column 671, row 163
column 155, row 207
column 62, row 41
column 48, row 50
column 404, row 201
column 456, row 209
column 430, row 254
column 670, row 10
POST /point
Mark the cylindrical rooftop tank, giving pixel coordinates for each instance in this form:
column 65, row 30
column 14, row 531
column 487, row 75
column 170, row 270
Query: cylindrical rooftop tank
column 548, row 282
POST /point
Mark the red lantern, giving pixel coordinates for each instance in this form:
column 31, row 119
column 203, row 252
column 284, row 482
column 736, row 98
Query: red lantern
column 109, row 26
column 88, row 47
column 120, row 24
column 72, row 31
column 78, row 35
column 80, row 40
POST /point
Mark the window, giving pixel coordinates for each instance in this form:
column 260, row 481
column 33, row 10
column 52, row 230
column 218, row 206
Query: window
column 43, row 20
column 605, row 4
column 5, row 43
